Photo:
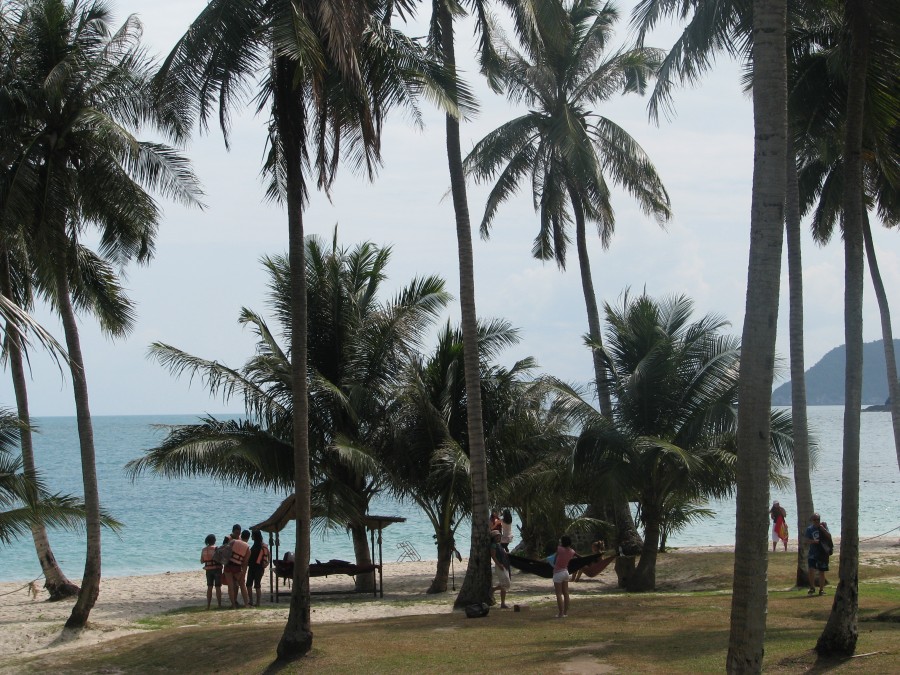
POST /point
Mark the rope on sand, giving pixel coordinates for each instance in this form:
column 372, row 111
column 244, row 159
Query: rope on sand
column 28, row 585
column 881, row 535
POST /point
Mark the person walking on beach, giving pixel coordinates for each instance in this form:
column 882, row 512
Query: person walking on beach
column 779, row 525
column 501, row 567
column 564, row 553
column 820, row 547
column 213, row 570
column 259, row 561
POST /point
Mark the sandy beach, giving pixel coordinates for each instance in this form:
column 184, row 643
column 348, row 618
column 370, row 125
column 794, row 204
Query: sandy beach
column 31, row 624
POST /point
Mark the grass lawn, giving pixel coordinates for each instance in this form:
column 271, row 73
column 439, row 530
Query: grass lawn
column 675, row 630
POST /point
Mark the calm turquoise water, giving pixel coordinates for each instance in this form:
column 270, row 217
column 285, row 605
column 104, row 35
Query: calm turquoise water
column 166, row 521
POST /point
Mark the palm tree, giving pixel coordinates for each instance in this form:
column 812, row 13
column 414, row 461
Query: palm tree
column 82, row 89
column 571, row 153
column 429, row 457
column 55, row 581
column 748, row 606
column 327, row 72
column 727, row 25
column 862, row 22
column 671, row 436
column 357, row 345
column 819, row 121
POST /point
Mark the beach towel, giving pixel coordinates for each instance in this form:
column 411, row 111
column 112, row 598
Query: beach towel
column 781, row 529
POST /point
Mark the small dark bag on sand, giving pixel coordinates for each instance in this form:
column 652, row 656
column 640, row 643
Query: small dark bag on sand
column 478, row 610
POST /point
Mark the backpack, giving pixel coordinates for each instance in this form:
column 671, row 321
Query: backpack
column 478, row 610
column 825, row 541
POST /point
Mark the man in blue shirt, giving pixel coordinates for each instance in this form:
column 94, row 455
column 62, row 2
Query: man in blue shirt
column 817, row 558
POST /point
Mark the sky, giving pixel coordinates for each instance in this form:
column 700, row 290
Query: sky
column 206, row 266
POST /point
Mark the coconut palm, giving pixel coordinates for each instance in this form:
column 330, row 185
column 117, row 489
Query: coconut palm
column 726, row 26
column 327, row 72
column 357, row 344
column 571, row 153
column 672, row 434
column 429, row 457
column 754, row 431
column 82, row 91
column 871, row 28
column 818, row 120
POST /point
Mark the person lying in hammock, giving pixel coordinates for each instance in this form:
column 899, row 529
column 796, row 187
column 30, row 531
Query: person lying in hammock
column 593, row 569
column 543, row 568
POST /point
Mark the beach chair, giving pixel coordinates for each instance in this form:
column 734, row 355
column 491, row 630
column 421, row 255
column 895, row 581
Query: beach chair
column 408, row 552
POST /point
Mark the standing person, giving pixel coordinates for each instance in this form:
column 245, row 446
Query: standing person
column 259, row 561
column 817, row 558
column 501, row 567
column 235, row 570
column 495, row 522
column 779, row 525
column 506, row 535
column 213, row 570
column 564, row 553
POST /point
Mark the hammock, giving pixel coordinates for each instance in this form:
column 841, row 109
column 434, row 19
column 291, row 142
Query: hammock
column 544, row 569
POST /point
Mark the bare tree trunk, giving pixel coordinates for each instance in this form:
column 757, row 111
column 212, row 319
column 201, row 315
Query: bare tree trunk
column 627, row 536
column 476, row 586
column 90, row 582
column 297, row 638
column 748, row 603
column 887, row 333
column 841, row 630
column 57, row 584
column 802, row 485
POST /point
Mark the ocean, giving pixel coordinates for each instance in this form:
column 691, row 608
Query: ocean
column 165, row 521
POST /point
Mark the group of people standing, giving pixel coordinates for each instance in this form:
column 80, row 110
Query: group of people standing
column 501, row 536
column 237, row 563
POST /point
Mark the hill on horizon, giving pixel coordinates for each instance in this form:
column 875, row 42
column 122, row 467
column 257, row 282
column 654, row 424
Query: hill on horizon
column 825, row 380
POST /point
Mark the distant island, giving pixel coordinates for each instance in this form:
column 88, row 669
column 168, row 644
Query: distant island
column 825, row 380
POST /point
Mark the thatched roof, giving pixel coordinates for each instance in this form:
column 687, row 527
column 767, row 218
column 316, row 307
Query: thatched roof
column 286, row 512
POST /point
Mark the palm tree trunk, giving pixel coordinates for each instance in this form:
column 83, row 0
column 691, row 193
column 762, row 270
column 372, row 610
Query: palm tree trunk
column 365, row 583
column 802, row 485
column 90, row 582
column 296, row 640
column 57, row 584
column 748, row 603
column 627, row 537
column 445, row 548
column 476, row 586
column 644, row 577
column 887, row 333
column 841, row 630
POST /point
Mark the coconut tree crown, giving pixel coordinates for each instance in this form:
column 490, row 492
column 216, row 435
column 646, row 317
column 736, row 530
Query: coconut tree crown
column 571, row 152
